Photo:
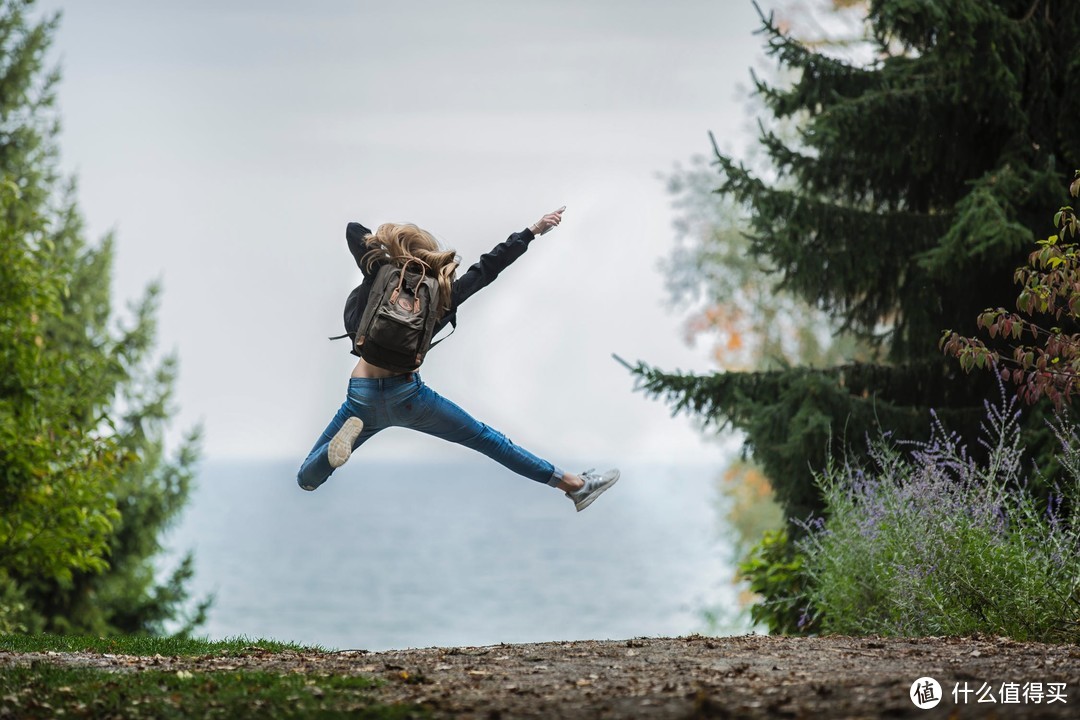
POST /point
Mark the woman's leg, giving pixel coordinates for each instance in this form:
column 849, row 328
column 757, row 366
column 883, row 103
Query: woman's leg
column 317, row 467
column 433, row 414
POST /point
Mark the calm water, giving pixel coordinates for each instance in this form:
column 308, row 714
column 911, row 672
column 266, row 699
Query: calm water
column 464, row 554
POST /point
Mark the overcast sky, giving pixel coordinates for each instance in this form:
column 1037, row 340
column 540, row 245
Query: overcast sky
column 229, row 143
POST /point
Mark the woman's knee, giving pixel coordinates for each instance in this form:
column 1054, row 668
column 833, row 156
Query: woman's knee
column 310, row 475
column 305, row 483
column 488, row 440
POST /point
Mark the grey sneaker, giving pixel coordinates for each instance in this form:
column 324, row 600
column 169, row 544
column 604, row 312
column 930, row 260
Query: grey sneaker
column 594, row 486
column 341, row 444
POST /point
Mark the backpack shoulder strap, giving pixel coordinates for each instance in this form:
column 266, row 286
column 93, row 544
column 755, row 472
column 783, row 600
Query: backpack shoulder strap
column 453, row 327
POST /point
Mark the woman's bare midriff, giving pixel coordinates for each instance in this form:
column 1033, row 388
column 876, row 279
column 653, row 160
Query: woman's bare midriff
column 364, row 369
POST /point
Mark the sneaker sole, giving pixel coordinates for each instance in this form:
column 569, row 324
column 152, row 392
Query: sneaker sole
column 603, row 488
column 341, row 445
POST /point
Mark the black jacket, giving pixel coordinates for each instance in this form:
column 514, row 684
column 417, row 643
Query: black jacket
column 478, row 276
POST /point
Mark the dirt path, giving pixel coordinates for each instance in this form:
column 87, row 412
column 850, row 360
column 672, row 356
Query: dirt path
column 699, row 677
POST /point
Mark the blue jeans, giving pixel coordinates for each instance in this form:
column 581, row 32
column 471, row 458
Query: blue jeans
column 405, row 401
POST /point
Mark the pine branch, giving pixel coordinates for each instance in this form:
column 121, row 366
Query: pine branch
column 1031, row 11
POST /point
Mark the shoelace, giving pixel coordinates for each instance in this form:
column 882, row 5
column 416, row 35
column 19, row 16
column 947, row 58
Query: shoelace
column 585, row 478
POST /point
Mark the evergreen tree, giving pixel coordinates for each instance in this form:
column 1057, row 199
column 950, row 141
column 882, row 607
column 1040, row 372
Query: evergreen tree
column 913, row 191
column 85, row 486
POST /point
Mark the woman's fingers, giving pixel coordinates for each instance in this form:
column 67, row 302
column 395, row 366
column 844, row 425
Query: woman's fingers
column 550, row 220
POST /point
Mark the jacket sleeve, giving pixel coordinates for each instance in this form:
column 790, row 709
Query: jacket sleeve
column 355, row 233
column 484, row 271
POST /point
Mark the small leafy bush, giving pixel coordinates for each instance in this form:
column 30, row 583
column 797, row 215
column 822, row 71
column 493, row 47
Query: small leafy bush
column 775, row 570
column 1043, row 347
column 929, row 540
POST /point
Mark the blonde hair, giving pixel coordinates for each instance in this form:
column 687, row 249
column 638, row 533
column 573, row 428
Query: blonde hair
column 400, row 242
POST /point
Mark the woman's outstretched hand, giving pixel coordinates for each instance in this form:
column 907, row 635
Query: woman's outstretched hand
column 552, row 219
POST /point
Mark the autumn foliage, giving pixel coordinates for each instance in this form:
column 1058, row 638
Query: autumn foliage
column 1037, row 348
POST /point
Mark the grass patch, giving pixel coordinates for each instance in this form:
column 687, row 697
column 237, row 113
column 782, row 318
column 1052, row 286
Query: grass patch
column 42, row 690
column 146, row 645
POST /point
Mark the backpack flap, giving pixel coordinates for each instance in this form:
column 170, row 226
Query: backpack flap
column 395, row 330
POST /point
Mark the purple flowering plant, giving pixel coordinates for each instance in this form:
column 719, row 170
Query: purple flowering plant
column 929, row 538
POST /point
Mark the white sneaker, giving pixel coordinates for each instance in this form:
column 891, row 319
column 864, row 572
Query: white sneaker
column 594, row 486
column 341, row 444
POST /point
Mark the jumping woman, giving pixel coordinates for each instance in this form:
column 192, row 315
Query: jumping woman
column 379, row 398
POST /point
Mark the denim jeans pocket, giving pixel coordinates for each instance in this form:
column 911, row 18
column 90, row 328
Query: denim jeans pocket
column 409, row 409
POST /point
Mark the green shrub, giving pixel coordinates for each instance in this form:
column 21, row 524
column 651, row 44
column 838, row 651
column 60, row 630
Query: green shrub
column 775, row 571
column 930, row 540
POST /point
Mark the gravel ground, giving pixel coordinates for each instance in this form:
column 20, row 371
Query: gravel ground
column 688, row 677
